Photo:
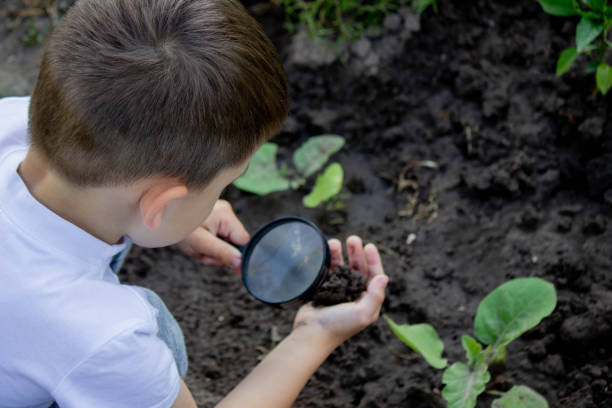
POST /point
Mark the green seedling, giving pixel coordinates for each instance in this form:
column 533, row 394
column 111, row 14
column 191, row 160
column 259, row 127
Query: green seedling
column 342, row 20
column 33, row 36
column 264, row 176
column 327, row 186
column 591, row 36
column 421, row 5
column 502, row 316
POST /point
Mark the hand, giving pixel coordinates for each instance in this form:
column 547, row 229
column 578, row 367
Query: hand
column 342, row 321
column 209, row 242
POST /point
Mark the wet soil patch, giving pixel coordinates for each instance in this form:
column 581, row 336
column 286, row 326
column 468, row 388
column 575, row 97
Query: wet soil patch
column 342, row 284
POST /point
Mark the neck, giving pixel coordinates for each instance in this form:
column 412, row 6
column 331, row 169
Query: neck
column 104, row 212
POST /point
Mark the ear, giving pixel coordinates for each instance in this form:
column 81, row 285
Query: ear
column 155, row 199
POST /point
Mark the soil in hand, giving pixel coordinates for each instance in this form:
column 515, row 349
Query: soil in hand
column 342, row 285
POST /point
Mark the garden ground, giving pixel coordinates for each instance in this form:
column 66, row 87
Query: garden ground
column 522, row 187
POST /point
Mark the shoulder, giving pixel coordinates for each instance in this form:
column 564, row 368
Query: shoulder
column 13, row 104
column 96, row 346
column 133, row 369
column 13, row 110
column 88, row 343
column 90, row 312
column 14, row 120
column 55, row 325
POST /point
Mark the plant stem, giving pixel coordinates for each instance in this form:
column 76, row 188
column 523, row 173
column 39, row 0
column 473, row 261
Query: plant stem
column 495, row 392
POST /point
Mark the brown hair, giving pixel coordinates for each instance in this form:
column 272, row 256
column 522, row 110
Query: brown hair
column 129, row 89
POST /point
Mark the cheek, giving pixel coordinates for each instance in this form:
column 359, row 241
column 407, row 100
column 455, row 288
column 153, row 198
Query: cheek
column 205, row 212
column 197, row 216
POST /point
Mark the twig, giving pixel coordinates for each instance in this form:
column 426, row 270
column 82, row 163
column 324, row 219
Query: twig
column 468, row 137
column 403, row 356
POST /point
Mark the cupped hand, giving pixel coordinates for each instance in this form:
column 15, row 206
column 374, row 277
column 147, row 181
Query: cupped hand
column 210, row 241
column 342, row 321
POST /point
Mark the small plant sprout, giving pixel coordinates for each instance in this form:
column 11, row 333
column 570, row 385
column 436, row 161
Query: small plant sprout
column 502, row 316
column 342, row 20
column 421, row 5
column 32, row 36
column 263, row 175
column 591, row 36
column 327, row 186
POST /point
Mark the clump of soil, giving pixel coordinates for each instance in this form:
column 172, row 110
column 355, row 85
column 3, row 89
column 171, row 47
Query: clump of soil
column 342, row 285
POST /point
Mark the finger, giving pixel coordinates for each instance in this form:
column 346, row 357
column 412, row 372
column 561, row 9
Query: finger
column 209, row 260
column 357, row 259
column 335, row 249
column 187, row 249
column 372, row 258
column 371, row 302
column 228, row 225
column 206, row 244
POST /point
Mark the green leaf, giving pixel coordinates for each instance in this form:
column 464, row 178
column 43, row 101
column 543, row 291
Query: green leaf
column 313, row 154
column 591, row 67
column 512, row 309
column 603, row 76
column 421, row 338
column 463, row 385
column 565, row 61
column 473, row 350
column 561, row 8
column 327, row 185
column 262, row 176
column 597, row 5
column 586, row 31
column 421, row 5
column 520, row 396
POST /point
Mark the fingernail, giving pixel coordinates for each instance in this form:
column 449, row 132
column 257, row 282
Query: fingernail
column 382, row 282
column 236, row 262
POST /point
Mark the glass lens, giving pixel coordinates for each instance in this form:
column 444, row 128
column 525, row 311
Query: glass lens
column 284, row 262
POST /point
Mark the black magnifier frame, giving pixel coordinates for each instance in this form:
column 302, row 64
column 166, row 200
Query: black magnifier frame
column 319, row 277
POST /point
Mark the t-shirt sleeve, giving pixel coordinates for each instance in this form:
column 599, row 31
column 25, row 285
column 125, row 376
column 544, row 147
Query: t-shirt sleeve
column 134, row 369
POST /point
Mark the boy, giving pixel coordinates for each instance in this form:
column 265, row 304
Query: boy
column 143, row 112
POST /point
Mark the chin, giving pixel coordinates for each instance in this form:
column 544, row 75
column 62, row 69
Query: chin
column 154, row 242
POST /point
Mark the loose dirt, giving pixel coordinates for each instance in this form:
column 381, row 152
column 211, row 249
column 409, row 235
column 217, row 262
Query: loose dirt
column 341, row 285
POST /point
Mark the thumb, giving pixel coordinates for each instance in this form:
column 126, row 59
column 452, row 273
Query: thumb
column 374, row 296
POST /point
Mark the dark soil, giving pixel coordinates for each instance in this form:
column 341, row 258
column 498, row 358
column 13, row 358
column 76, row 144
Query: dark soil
column 342, row 284
column 521, row 187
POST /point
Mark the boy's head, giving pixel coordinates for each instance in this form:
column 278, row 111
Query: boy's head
column 163, row 99
column 131, row 89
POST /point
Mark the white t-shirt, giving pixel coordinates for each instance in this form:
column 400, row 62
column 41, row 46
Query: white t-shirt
column 69, row 331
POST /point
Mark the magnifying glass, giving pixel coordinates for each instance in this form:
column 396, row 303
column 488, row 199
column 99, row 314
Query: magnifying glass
column 285, row 262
